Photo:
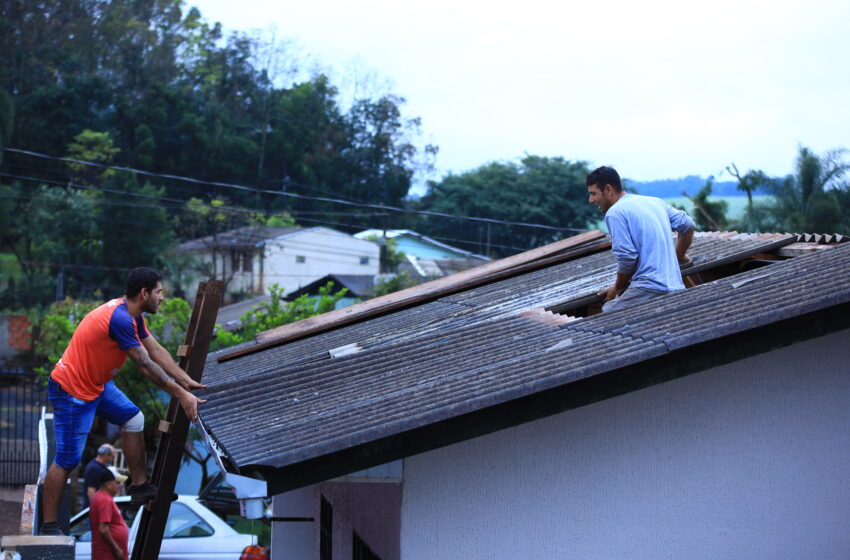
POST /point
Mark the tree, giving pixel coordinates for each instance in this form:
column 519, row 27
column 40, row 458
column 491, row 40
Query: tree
column 45, row 230
column 708, row 215
column 7, row 117
column 540, row 190
column 811, row 201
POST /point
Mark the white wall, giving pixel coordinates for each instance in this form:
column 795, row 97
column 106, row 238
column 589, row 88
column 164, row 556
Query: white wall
column 295, row 539
column 749, row 460
column 325, row 251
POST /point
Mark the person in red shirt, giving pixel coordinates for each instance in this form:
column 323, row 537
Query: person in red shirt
column 81, row 387
column 109, row 531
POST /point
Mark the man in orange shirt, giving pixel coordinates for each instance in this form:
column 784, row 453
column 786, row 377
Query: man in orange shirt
column 81, row 387
column 109, row 531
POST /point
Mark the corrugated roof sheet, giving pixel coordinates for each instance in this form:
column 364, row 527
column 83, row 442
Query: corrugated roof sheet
column 473, row 350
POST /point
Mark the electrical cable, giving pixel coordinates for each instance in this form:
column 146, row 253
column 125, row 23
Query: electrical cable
column 291, row 195
column 234, row 209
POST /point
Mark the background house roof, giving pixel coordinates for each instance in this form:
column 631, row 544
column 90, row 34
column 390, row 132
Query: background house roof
column 358, row 285
column 396, row 233
column 239, row 238
column 483, row 359
column 229, row 315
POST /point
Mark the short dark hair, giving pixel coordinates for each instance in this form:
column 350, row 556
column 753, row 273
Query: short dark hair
column 139, row 278
column 604, row 175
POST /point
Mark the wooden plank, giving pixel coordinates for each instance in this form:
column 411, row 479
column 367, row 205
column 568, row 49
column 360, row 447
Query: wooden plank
column 28, row 509
column 542, row 256
column 799, row 249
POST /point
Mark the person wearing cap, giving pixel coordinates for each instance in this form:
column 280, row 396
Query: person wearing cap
column 110, row 535
column 94, row 469
column 82, row 386
column 648, row 264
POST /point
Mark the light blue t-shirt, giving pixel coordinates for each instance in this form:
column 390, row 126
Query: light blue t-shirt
column 642, row 242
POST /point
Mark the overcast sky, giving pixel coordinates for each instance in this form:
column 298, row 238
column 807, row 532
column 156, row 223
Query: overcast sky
column 657, row 88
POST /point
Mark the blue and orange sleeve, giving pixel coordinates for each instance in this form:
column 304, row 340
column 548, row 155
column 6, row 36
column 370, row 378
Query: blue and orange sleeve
column 124, row 329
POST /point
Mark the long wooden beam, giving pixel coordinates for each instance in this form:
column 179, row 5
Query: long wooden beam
column 546, row 255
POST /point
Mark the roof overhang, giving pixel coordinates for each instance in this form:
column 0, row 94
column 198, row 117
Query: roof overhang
column 678, row 363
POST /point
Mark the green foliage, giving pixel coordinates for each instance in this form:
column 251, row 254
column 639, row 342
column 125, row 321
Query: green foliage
column 7, row 119
column 391, row 284
column 541, row 190
column 813, row 200
column 44, row 228
column 816, row 199
column 394, row 256
column 275, row 313
column 95, row 147
column 52, row 331
column 708, row 215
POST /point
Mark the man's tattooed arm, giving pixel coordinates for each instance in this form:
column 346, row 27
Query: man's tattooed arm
column 148, row 367
column 157, row 375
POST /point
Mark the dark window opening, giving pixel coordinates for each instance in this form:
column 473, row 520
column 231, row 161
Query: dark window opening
column 247, row 262
column 364, row 260
column 360, row 550
column 326, row 527
column 300, row 259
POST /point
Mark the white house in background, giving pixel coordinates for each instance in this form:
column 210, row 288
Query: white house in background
column 252, row 258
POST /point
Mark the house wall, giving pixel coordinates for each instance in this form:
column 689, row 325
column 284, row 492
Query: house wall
column 325, row 251
column 368, row 506
column 747, row 460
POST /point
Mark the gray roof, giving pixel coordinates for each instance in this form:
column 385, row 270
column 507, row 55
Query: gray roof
column 359, row 285
column 229, row 316
column 477, row 361
column 239, row 238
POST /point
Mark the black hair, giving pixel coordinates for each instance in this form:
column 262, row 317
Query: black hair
column 604, row 175
column 106, row 476
column 139, row 278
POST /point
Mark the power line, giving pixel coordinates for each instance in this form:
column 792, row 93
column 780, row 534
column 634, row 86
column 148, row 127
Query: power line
column 292, row 195
column 242, row 210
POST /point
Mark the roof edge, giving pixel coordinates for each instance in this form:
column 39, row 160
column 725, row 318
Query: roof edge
column 672, row 365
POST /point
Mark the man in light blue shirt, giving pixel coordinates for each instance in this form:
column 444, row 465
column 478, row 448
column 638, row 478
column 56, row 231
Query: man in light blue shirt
column 648, row 264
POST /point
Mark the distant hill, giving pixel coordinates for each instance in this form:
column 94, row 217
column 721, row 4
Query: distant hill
column 671, row 188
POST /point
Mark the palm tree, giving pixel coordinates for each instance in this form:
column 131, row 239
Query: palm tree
column 810, row 201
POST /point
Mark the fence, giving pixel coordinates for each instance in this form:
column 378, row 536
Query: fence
column 21, row 398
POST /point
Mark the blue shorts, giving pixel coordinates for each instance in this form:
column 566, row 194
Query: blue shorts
column 73, row 418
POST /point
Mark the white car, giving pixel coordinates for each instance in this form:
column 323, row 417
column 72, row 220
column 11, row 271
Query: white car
column 192, row 531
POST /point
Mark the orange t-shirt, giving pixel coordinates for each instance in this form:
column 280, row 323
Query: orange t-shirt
column 98, row 349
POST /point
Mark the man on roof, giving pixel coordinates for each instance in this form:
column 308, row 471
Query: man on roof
column 648, row 264
column 81, row 387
